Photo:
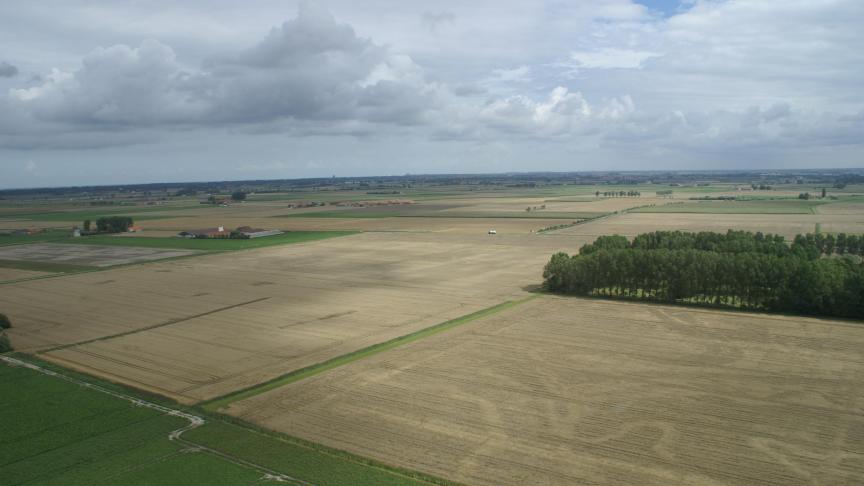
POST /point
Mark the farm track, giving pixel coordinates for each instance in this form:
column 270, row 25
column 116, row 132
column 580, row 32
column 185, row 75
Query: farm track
column 175, row 435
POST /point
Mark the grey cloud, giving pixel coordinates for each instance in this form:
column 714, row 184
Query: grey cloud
column 8, row 70
column 433, row 20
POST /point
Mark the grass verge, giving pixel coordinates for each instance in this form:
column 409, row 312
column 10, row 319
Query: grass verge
column 297, row 375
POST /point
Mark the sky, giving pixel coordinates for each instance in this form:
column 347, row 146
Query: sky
column 99, row 92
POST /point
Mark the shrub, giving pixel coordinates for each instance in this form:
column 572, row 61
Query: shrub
column 4, row 322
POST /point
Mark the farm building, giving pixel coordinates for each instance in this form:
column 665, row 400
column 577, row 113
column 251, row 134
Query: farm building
column 257, row 232
column 218, row 232
column 221, row 232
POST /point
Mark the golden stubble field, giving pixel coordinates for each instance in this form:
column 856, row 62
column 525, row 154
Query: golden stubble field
column 576, row 391
column 201, row 327
column 788, row 225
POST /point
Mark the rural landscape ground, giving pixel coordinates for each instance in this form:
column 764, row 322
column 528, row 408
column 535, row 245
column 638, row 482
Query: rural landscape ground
column 398, row 334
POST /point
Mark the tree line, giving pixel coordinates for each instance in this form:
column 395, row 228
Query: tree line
column 740, row 269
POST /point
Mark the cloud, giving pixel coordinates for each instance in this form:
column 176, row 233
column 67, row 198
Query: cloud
column 8, row 70
column 310, row 69
column 611, row 58
column 432, row 21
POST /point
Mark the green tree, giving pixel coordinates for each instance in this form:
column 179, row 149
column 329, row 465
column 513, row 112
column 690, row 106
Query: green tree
column 238, row 196
column 114, row 224
column 5, row 344
column 86, row 225
column 4, row 322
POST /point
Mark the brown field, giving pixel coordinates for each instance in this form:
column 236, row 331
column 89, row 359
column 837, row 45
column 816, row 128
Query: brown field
column 198, row 328
column 7, row 274
column 91, row 255
column 789, row 225
column 574, row 391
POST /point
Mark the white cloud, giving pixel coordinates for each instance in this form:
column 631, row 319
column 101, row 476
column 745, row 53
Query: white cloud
column 611, row 58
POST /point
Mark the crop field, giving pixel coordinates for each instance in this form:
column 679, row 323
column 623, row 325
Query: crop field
column 788, row 225
column 575, row 391
column 208, row 244
column 793, row 206
column 198, row 328
column 86, row 255
column 7, row 274
column 65, row 434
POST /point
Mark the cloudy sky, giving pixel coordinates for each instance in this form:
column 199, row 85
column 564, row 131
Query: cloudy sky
column 154, row 90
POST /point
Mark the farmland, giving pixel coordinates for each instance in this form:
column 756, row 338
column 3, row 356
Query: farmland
column 70, row 435
column 565, row 391
column 75, row 432
column 197, row 328
column 380, row 341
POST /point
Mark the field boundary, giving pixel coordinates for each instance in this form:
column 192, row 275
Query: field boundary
column 154, row 326
column 220, row 402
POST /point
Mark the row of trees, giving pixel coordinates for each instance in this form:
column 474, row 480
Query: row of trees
column 810, row 246
column 729, row 273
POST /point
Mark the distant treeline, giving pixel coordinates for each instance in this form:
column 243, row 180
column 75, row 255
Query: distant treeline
column 741, row 269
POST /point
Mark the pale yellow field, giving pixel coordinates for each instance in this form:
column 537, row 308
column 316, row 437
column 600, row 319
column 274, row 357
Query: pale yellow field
column 225, row 322
column 15, row 274
column 789, row 225
column 573, row 391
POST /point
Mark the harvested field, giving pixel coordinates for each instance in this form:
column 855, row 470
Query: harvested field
column 89, row 255
column 460, row 226
column 575, row 391
column 7, row 274
column 789, row 225
column 198, row 328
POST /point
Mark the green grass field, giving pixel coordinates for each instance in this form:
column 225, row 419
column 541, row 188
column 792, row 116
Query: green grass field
column 56, row 432
column 208, row 244
column 51, row 235
column 766, row 206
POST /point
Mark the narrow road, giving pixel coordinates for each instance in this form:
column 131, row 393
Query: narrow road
column 175, row 435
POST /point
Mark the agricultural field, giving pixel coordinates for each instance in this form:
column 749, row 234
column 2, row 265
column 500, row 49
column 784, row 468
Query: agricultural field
column 575, row 391
column 790, row 206
column 86, row 255
column 197, row 328
column 66, row 434
column 75, row 430
column 788, row 225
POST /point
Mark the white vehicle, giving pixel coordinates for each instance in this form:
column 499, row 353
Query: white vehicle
column 493, row 232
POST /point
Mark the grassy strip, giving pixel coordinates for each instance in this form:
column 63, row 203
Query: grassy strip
column 208, row 244
column 297, row 375
column 45, row 266
column 51, row 235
